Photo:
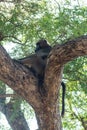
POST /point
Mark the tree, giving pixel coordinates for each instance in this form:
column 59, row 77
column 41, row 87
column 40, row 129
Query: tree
column 24, row 23
column 21, row 80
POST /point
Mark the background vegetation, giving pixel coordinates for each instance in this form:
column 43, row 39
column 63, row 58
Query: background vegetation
column 23, row 23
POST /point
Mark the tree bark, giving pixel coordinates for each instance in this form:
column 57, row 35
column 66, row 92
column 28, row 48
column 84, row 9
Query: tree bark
column 20, row 79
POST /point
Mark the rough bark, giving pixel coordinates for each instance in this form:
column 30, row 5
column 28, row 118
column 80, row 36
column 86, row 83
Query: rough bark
column 24, row 83
column 19, row 78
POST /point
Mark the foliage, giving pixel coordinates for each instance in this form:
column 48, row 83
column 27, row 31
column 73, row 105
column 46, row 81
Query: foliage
column 24, row 23
column 76, row 93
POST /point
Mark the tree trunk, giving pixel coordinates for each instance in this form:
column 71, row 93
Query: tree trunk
column 15, row 118
column 12, row 111
column 49, row 118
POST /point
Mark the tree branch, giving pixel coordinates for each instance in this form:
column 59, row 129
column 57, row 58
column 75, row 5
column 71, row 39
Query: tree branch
column 8, row 95
column 60, row 55
column 19, row 78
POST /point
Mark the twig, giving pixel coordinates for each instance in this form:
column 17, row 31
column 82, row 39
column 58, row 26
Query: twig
column 8, row 95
